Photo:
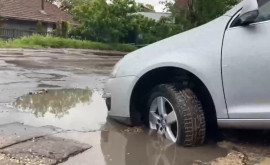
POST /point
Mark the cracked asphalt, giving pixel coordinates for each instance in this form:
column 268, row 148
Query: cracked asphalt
column 51, row 112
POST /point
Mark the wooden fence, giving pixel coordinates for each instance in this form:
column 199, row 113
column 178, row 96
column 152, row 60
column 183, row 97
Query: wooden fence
column 6, row 34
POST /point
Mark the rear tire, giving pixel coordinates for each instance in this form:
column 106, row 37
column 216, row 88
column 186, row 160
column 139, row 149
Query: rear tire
column 190, row 121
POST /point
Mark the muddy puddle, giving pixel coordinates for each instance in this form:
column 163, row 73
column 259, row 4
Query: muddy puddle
column 120, row 145
column 68, row 109
column 82, row 115
column 147, row 148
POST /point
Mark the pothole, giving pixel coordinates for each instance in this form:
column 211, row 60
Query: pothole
column 70, row 109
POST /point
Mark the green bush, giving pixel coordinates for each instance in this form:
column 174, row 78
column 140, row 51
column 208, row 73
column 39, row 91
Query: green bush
column 38, row 41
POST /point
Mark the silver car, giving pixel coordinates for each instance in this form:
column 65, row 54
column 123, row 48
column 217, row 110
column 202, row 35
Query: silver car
column 215, row 75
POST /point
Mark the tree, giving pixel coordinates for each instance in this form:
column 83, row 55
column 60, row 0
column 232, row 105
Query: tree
column 68, row 5
column 198, row 12
column 119, row 21
column 151, row 7
column 62, row 29
column 107, row 22
column 2, row 19
column 65, row 29
column 58, row 30
column 40, row 28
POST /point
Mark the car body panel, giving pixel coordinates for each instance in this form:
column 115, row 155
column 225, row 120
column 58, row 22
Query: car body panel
column 119, row 90
column 246, row 70
column 244, row 123
column 179, row 51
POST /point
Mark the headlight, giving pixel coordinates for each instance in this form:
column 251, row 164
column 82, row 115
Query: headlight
column 115, row 69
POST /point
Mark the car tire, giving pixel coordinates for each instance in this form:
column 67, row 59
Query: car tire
column 184, row 105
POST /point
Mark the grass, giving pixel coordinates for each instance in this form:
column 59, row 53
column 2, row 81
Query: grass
column 37, row 41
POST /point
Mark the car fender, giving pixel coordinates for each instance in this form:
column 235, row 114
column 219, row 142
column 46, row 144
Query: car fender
column 197, row 51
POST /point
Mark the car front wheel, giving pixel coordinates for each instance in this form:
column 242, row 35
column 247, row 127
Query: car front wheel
column 177, row 114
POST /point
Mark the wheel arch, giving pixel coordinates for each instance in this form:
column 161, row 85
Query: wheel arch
column 169, row 74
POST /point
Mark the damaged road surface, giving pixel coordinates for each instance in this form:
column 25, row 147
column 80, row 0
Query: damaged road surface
column 46, row 93
column 23, row 144
column 51, row 112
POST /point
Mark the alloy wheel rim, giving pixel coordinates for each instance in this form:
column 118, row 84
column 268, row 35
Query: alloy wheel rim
column 163, row 119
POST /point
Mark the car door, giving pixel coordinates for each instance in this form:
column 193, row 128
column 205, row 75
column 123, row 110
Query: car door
column 246, row 67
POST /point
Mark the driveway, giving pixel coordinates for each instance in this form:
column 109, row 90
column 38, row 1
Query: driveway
column 51, row 112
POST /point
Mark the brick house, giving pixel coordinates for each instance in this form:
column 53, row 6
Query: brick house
column 25, row 14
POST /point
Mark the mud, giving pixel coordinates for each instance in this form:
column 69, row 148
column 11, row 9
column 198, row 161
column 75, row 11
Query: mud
column 54, row 97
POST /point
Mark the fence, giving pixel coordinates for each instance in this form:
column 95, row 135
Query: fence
column 15, row 33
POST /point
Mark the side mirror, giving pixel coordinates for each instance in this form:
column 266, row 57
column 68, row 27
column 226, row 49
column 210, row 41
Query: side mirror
column 250, row 12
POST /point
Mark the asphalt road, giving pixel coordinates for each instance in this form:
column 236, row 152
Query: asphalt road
column 51, row 112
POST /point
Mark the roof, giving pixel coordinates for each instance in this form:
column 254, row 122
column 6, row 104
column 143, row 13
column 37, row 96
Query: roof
column 155, row 15
column 31, row 10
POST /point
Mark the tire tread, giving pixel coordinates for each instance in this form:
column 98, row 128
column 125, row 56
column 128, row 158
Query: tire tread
column 193, row 116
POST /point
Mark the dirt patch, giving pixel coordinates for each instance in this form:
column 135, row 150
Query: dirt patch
column 247, row 147
column 233, row 158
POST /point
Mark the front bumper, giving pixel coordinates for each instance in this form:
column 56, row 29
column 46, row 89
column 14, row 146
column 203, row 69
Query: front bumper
column 117, row 94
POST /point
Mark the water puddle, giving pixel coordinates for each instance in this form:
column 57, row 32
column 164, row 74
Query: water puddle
column 120, row 145
column 83, row 113
column 149, row 148
column 57, row 103
column 69, row 109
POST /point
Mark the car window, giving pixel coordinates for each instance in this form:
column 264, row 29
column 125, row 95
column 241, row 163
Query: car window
column 264, row 9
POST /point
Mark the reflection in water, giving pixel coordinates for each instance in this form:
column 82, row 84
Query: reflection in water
column 57, row 102
column 69, row 109
column 122, row 148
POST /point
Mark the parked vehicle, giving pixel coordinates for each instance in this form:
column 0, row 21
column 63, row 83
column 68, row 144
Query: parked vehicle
column 214, row 74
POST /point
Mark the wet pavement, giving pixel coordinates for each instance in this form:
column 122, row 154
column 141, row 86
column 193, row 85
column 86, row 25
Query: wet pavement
column 51, row 112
